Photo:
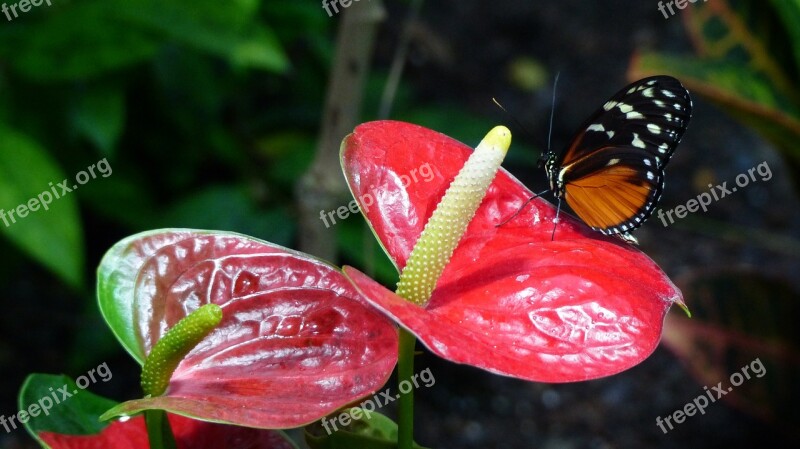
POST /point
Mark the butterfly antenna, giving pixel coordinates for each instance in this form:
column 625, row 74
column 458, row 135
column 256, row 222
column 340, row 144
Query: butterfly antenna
column 552, row 111
column 514, row 119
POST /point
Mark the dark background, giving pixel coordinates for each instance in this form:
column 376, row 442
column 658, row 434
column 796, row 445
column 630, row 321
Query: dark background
column 208, row 143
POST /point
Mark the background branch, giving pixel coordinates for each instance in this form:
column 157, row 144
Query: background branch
column 322, row 188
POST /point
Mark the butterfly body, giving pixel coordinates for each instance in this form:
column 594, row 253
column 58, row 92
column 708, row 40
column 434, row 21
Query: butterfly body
column 612, row 173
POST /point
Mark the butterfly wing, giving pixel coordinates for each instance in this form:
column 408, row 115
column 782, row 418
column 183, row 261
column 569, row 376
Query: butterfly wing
column 615, row 190
column 612, row 174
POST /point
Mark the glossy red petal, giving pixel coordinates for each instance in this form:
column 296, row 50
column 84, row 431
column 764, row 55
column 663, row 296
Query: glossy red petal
column 511, row 300
column 296, row 341
column 189, row 434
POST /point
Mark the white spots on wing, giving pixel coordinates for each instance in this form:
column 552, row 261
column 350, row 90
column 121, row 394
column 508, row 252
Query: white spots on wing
column 596, row 127
column 678, row 106
column 663, row 148
column 633, row 115
column 610, row 133
column 651, row 176
column 668, row 116
column 651, row 82
column 648, row 92
column 613, row 161
column 667, row 93
column 609, row 105
column 653, row 128
column 624, row 108
column 647, row 162
column 637, row 142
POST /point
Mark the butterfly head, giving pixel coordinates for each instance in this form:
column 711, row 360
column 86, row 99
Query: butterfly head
column 548, row 160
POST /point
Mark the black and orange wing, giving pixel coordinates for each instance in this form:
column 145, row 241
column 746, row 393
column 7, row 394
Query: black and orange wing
column 612, row 174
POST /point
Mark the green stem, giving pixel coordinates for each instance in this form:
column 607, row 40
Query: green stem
column 405, row 406
column 435, row 247
column 159, row 431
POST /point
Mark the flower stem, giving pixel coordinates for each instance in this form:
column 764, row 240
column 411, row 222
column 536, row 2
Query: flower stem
column 405, row 406
column 158, row 430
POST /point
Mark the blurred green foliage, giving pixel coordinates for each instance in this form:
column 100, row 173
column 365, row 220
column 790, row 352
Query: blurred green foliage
column 174, row 95
column 747, row 62
column 206, row 111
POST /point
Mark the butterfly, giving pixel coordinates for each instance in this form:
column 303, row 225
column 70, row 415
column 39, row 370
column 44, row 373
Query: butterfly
column 612, row 173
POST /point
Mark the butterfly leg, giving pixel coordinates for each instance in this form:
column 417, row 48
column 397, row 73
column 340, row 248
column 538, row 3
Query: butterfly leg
column 628, row 238
column 555, row 220
column 520, row 209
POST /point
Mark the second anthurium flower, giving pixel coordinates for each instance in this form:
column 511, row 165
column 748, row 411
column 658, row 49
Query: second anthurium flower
column 510, row 300
column 288, row 339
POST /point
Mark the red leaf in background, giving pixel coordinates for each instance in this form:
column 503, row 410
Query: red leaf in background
column 295, row 343
column 510, row 301
column 189, row 434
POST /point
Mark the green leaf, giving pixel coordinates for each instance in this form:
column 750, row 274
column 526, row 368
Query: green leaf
column 28, row 178
column 789, row 13
column 77, row 41
column 105, row 197
column 232, row 209
column 364, row 429
column 75, row 415
column 99, row 115
column 288, row 154
column 227, row 29
column 259, row 49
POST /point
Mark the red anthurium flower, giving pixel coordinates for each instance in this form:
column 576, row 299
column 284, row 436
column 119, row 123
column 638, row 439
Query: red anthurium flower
column 295, row 343
column 189, row 434
column 510, row 301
